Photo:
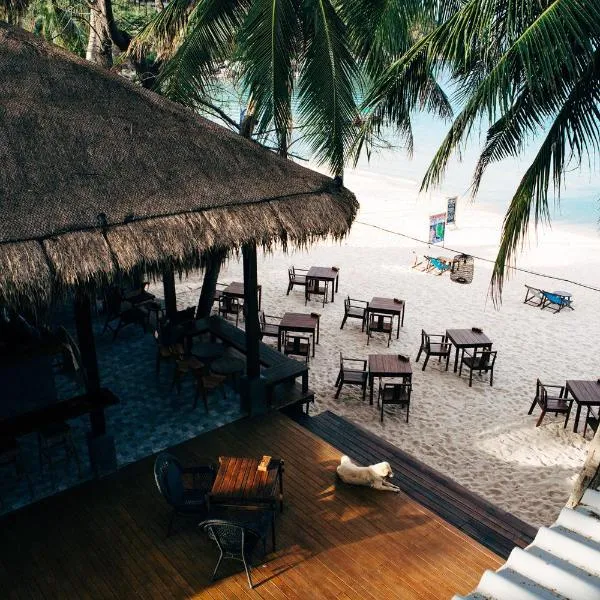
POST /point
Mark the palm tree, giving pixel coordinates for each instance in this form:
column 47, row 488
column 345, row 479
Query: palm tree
column 529, row 67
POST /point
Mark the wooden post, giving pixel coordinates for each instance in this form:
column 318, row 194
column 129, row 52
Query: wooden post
column 169, row 289
column 214, row 259
column 87, row 348
column 251, row 306
column 589, row 477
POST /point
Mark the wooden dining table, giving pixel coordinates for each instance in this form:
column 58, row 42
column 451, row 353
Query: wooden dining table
column 236, row 290
column 325, row 274
column 583, row 393
column 302, row 323
column 388, row 306
column 462, row 339
column 387, row 365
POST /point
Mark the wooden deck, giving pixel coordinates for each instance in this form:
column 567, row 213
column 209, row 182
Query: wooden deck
column 106, row 539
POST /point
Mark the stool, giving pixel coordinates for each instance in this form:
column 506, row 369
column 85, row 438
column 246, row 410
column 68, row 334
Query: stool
column 54, row 436
column 10, row 456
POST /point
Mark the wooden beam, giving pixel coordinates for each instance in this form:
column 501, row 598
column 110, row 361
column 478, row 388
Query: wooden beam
column 213, row 259
column 87, row 349
column 251, row 311
column 169, row 289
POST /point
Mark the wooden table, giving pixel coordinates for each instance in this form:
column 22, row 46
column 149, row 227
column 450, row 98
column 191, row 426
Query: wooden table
column 236, row 290
column 325, row 274
column 584, row 393
column 300, row 322
column 466, row 338
column 388, row 306
column 387, row 365
column 240, row 483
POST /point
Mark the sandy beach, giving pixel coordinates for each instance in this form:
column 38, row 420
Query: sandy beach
column 482, row 436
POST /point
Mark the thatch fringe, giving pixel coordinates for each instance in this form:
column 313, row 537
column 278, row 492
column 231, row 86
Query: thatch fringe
column 32, row 273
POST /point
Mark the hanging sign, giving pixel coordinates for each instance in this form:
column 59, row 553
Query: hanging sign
column 437, row 228
column 451, row 217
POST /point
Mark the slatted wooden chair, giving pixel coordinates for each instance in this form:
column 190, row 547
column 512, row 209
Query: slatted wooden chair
column 380, row 323
column 555, row 402
column 592, row 419
column 297, row 345
column 394, row 393
column 230, row 305
column 314, row 287
column 351, row 375
column 434, row 345
column 296, row 277
column 355, row 309
column 481, row 360
column 269, row 325
column 219, row 287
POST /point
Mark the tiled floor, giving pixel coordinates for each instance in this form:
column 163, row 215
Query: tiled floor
column 150, row 416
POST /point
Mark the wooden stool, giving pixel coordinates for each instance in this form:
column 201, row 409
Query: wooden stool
column 54, row 436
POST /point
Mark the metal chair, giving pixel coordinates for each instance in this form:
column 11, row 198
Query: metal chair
column 352, row 376
column 185, row 501
column 554, row 402
column 438, row 347
column 380, row 323
column 355, row 309
column 481, row 361
column 296, row 277
column 394, row 393
column 238, row 535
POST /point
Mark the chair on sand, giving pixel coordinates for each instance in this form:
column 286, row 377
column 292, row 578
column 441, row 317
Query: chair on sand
column 394, row 393
column 555, row 402
column 354, row 309
column 481, row 361
column 533, row 296
column 296, row 277
column 434, row 345
column 380, row 323
column 556, row 301
column 350, row 374
column 437, row 265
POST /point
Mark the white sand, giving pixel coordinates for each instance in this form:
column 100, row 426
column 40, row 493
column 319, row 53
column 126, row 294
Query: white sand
column 482, row 436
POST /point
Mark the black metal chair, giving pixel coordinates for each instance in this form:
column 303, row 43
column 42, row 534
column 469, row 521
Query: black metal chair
column 352, row 376
column 394, row 393
column 297, row 345
column 481, row 361
column 269, row 325
column 439, row 347
column 238, row 535
column 186, row 501
column 380, row 323
column 555, row 402
column 354, row 309
column 314, row 287
column 230, row 305
column 296, row 277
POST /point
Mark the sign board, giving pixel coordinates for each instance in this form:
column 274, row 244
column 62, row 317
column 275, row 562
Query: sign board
column 451, row 217
column 437, row 228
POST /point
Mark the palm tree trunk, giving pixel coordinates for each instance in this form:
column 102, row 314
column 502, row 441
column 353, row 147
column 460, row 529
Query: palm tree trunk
column 99, row 48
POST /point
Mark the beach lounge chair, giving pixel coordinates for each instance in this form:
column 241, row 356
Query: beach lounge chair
column 296, row 277
column 350, row 374
column 437, row 264
column 394, row 393
column 482, row 360
column 555, row 402
column 556, row 301
column 354, row 309
column 434, row 345
column 533, row 296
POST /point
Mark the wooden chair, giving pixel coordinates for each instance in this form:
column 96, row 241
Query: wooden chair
column 533, row 296
column 297, row 345
column 314, row 287
column 296, row 277
column 438, row 347
column 481, row 361
column 394, row 393
column 121, row 311
column 230, row 305
column 238, row 535
column 380, row 323
column 592, row 419
column 269, row 325
column 350, row 375
column 555, row 402
column 50, row 438
column 207, row 382
column 355, row 309
column 165, row 352
column 186, row 500
column 219, row 287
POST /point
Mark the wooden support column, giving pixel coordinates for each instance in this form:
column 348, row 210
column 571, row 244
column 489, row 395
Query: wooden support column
column 251, row 305
column 169, row 289
column 214, row 259
column 87, row 349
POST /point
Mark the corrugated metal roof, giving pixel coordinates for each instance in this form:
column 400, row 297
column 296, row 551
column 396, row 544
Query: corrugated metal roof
column 563, row 561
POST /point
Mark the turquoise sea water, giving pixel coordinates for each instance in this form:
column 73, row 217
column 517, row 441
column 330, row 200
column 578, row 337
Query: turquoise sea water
column 580, row 197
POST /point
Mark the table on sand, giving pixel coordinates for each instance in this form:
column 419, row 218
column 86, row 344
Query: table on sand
column 300, row 322
column 388, row 306
column 467, row 338
column 387, row 365
column 325, row 274
column 584, row 393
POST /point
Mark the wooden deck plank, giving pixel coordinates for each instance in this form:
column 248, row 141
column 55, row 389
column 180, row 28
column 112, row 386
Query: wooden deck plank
column 107, row 538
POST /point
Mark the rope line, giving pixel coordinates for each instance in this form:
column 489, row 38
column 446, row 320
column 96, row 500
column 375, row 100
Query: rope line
column 420, row 241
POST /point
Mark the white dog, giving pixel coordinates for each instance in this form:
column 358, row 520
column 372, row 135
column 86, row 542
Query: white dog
column 374, row 476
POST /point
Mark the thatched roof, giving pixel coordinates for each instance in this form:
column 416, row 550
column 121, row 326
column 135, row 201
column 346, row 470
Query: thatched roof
column 99, row 176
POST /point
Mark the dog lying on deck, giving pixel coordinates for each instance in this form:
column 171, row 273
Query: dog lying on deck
column 374, row 476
